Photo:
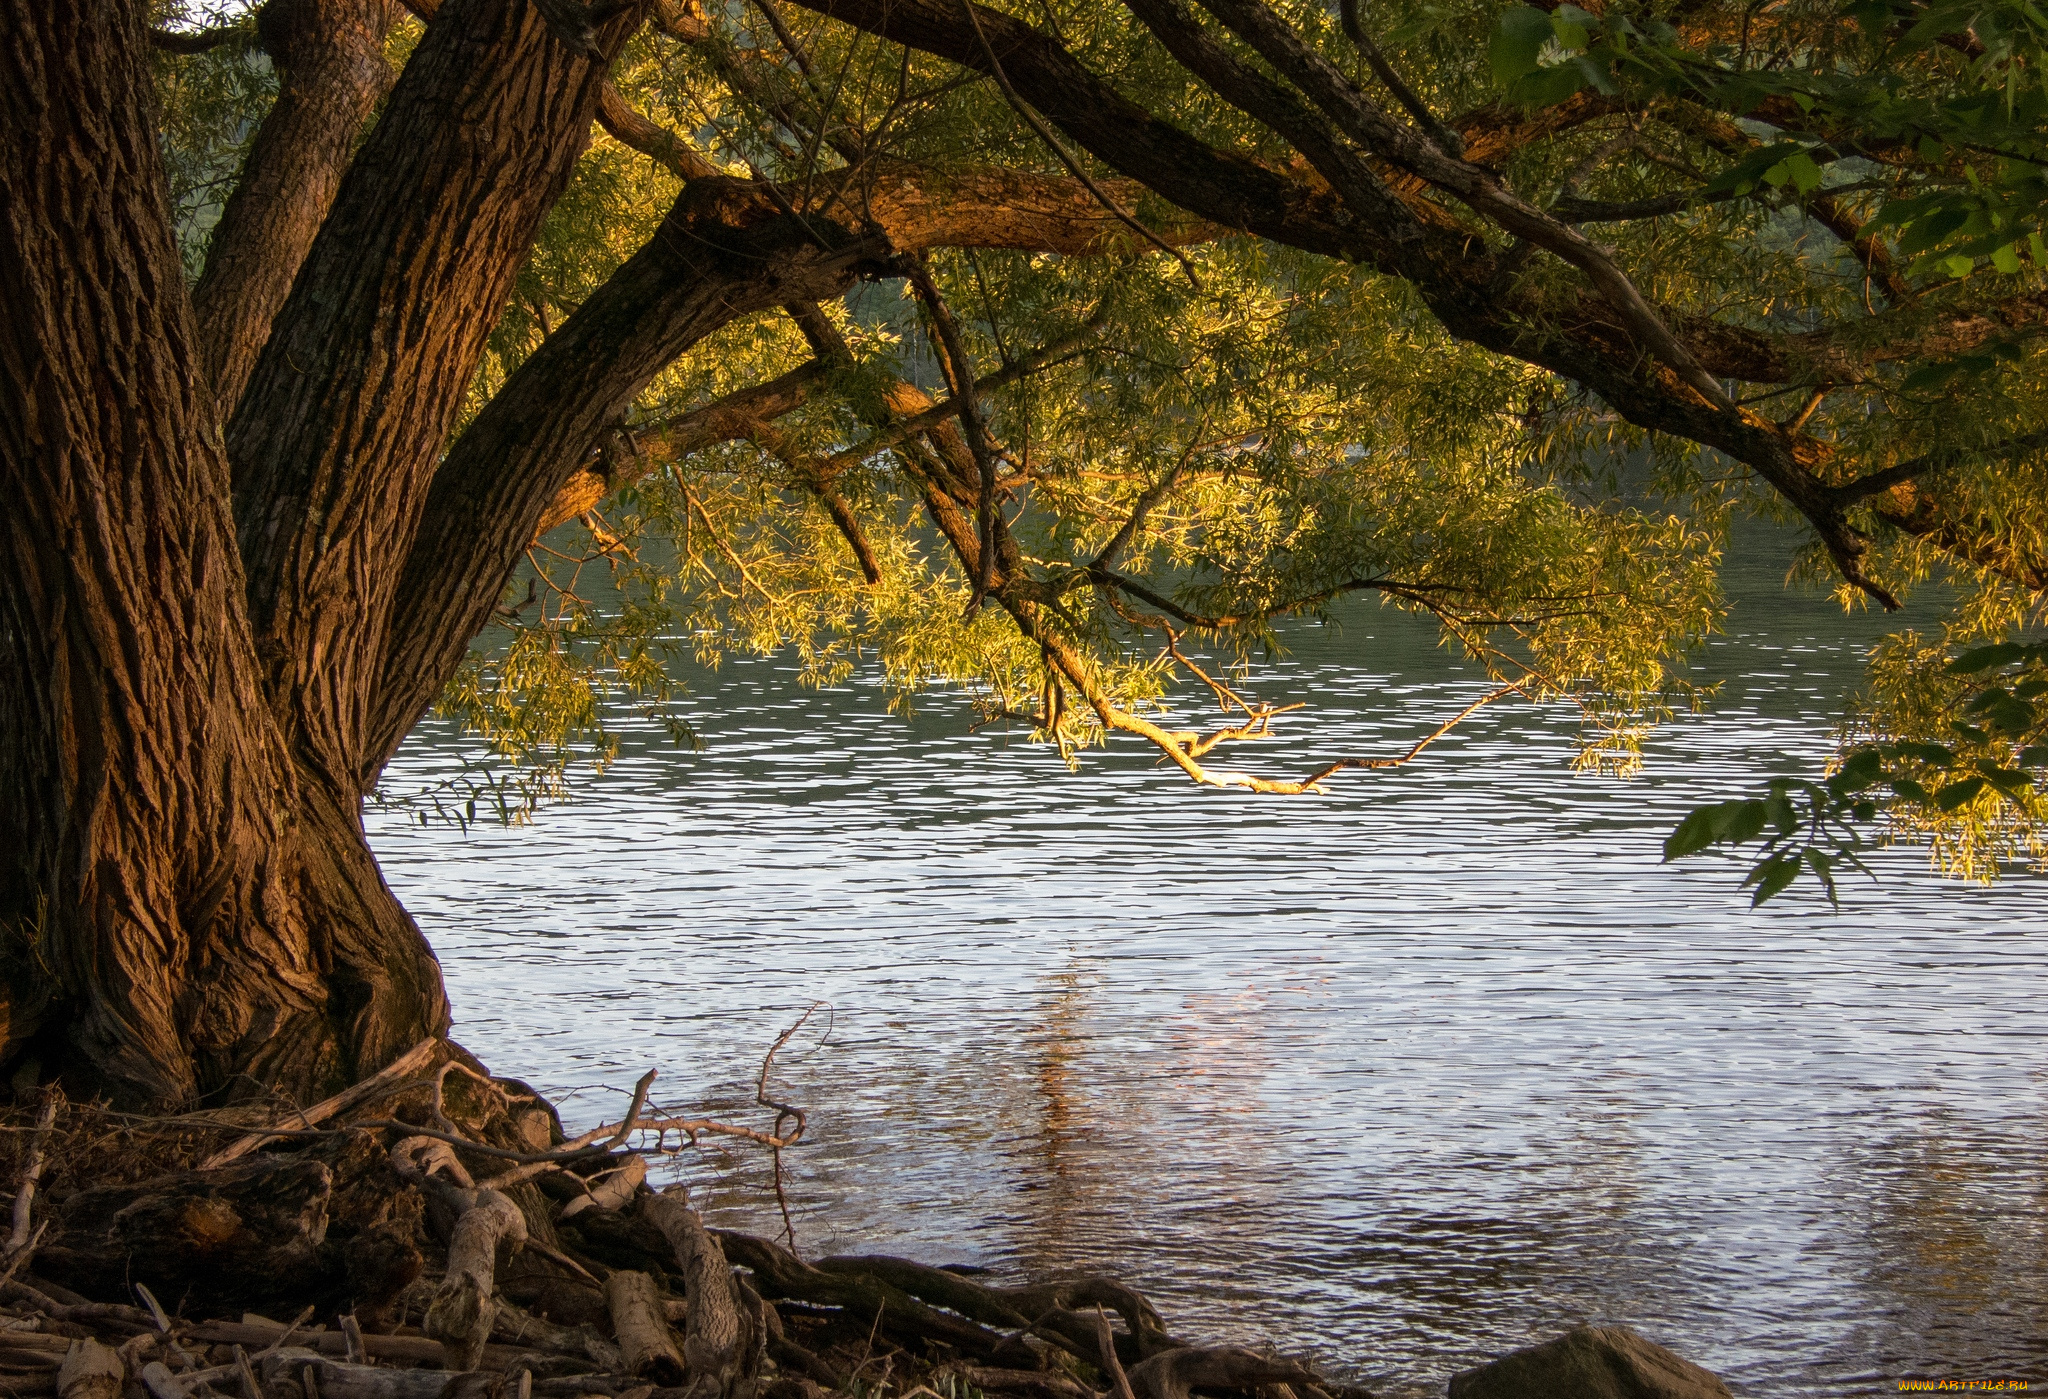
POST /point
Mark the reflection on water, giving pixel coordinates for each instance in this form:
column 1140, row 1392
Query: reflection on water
column 1403, row 1077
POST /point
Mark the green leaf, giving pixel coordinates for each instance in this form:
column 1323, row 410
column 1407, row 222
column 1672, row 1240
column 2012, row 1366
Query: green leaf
column 1987, row 657
column 2034, row 756
column 2006, row 259
column 1959, row 267
column 1518, row 42
column 1546, row 87
column 1778, row 808
column 1804, row 173
column 1701, row 828
column 1569, row 35
column 1931, row 376
column 1772, row 876
column 1742, row 821
column 1863, row 768
column 1694, row 834
column 1957, row 793
column 2010, row 781
column 1823, row 868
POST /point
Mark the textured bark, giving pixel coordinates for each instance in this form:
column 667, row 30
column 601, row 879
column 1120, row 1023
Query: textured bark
column 168, row 903
column 722, row 421
column 330, row 54
column 367, row 364
column 642, row 1330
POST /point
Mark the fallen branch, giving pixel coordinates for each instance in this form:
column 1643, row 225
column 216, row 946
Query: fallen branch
column 642, row 1330
column 18, row 1239
column 388, row 1079
column 461, row 1312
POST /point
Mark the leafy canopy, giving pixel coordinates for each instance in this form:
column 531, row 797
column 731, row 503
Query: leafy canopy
column 1188, row 448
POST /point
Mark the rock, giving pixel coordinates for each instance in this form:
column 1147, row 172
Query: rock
column 1592, row 1362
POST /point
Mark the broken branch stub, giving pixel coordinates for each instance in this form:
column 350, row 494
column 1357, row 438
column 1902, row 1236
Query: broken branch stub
column 460, row 1315
column 641, row 1328
column 615, row 1191
column 91, row 1371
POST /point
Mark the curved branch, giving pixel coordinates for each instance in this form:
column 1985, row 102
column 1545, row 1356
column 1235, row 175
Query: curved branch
column 197, row 41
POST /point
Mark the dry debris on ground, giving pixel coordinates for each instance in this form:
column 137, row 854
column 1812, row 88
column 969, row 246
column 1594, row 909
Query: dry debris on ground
column 432, row 1234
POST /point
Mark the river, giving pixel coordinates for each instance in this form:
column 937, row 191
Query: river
column 1402, row 1077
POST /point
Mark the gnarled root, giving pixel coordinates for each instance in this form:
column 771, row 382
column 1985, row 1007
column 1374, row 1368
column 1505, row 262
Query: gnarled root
column 461, row 1313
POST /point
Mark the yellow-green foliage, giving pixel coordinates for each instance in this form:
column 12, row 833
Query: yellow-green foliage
column 1325, row 435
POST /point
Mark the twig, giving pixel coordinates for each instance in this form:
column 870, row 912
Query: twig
column 17, row 1257
column 974, row 426
column 1451, row 723
column 782, row 1110
column 633, row 1112
column 18, row 1240
column 285, row 1335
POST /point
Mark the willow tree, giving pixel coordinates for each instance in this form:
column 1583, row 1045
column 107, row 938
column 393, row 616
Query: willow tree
column 1161, row 323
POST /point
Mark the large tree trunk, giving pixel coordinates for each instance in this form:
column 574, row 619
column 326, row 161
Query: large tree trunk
column 178, row 923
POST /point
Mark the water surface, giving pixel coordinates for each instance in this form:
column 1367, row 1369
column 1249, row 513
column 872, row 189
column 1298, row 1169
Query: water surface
column 1402, row 1077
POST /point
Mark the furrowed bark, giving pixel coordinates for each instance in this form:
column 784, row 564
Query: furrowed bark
column 714, row 1345
column 166, row 935
column 358, row 386
column 331, row 57
column 614, row 468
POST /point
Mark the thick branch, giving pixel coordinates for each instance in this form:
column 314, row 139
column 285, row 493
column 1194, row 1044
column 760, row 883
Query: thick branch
column 727, row 249
column 330, row 54
column 367, row 365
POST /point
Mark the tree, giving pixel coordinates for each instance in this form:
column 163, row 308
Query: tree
column 1272, row 328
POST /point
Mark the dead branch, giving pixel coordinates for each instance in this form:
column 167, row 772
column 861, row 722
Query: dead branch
column 461, row 1312
column 91, row 1371
column 391, row 1078
column 18, row 1238
column 714, row 1344
column 650, row 1352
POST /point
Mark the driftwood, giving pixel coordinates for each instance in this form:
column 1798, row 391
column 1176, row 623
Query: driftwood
column 398, row 1072
column 91, row 1371
column 642, row 1331
column 615, row 1191
column 715, row 1343
column 19, row 1236
column 582, row 1314
column 336, row 1380
column 250, row 1231
column 1175, row 1374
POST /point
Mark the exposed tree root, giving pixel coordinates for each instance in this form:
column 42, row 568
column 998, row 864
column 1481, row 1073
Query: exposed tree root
column 437, row 1237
